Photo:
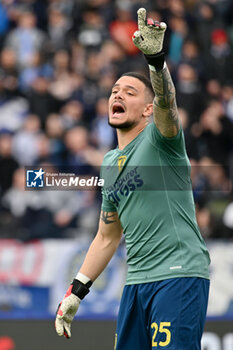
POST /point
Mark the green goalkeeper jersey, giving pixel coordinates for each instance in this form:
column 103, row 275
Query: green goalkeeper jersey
column 148, row 183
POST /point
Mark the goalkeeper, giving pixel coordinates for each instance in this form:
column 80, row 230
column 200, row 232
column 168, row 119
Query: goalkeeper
column 164, row 301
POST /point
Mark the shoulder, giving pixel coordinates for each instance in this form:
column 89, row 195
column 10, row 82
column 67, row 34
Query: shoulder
column 175, row 146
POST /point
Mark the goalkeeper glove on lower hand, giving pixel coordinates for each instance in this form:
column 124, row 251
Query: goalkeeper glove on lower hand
column 69, row 306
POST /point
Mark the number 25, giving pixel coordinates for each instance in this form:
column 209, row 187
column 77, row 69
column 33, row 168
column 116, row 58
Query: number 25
column 161, row 329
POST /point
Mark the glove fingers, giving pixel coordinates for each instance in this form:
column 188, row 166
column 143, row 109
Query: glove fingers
column 163, row 26
column 150, row 22
column 158, row 26
column 59, row 326
column 141, row 18
column 137, row 38
column 67, row 330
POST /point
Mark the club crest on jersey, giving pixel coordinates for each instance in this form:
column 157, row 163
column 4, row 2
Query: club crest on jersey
column 121, row 162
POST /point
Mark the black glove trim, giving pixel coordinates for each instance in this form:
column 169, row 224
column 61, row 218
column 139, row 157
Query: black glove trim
column 157, row 60
column 80, row 289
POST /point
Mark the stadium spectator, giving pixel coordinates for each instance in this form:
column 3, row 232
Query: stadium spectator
column 59, row 25
column 227, row 100
column 37, row 68
column 123, row 28
column 220, row 57
column 25, row 141
column 228, row 218
column 4, row 23
column 72, row 114
column 213, row 89
column 54, row 130
column 8, row 163
column 9, row 63
column 64, row 81
column 207, row 20
column 93, row 31
column 25, row 39
column 189, row 91
column 102, row 135
column 178, row 34
column 81, row 156
column 216, row 129
column 191, row 54
column 41, row 101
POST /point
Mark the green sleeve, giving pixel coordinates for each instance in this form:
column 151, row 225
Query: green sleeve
column 107, row 204
column 173, row 146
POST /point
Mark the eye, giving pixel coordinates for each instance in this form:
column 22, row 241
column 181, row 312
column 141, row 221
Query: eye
column 130, row 93
column 114, row 91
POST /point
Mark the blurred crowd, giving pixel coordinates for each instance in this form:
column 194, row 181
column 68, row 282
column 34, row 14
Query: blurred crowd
column 58, row 62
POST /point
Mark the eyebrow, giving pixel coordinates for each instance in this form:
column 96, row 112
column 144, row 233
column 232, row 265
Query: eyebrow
column 127, row 86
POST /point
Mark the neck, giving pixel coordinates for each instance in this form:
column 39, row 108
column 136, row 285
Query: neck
column 125, row 136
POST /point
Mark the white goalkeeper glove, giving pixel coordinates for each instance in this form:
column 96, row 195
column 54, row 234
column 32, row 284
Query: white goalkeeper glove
column 69, row 306
column 150, row 34
column 149, row 39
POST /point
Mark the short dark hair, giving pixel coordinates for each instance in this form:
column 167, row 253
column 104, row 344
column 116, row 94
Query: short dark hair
column 143, row 79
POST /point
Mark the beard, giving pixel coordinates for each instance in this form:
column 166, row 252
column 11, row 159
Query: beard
column 124, row 125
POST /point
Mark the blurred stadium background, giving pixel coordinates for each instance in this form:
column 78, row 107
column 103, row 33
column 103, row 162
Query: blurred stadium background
column 58, row 61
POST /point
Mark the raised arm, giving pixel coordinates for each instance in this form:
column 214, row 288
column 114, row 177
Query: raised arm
column 98, row 256
column 165, row 111
column 149, row 39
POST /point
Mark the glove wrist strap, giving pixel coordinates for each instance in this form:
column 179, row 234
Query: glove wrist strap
column 80, row 289
column 156, row 60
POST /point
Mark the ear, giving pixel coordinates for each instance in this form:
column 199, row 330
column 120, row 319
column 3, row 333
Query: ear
column 148, row 110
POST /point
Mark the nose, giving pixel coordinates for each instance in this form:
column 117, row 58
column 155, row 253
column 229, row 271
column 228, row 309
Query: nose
column 118, row 95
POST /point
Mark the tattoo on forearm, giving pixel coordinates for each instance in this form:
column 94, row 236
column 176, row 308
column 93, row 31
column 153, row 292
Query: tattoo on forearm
column 165, row 109
column 107, row 217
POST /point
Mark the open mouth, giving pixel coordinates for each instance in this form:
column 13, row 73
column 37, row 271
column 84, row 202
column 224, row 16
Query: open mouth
column 118, row 108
